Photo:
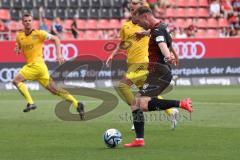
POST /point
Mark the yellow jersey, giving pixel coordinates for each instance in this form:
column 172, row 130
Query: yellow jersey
column 32, row 45
column 137, row 51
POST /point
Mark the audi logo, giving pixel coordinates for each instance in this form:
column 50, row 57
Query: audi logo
column 7, row 74
column 190, row 50
column 69, row 51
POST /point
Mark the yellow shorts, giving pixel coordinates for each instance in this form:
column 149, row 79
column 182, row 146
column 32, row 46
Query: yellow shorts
column 137, row 73
column 36, row 72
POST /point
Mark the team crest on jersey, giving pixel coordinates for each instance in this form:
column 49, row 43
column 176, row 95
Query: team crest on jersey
column 145, row 86
column 34, row 37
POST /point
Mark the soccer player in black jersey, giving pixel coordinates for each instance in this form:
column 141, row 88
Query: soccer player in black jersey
column 161, row 56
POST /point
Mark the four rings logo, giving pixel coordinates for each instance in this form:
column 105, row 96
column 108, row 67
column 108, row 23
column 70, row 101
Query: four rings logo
column 190, row 50
column 7, row 74
column 69, row 51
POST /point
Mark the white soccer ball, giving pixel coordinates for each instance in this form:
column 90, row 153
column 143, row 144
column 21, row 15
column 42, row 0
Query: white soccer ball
column 112, row 138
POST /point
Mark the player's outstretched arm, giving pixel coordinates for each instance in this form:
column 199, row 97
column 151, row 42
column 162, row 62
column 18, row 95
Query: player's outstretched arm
column 17, row 49
column 167, row 54
column 57, row 42
column 142, row 34
column 175, row 55
column 115, row 52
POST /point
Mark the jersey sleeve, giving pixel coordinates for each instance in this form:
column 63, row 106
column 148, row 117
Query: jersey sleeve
column 159, row 35
column 17, row 38
column 43, row 35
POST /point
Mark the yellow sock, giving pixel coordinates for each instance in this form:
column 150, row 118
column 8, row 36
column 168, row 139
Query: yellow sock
column 125, row 92
column 24, row 91
column 67, row 96
column 169, row 112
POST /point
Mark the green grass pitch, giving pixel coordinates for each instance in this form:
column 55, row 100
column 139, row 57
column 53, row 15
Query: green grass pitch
column 213, row 132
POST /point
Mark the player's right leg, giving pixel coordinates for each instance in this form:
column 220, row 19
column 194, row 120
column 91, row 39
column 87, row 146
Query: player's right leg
column 18, row 82
column 172, row 113
column 151, row 104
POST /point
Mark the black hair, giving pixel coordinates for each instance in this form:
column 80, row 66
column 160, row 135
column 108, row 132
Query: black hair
column 26, row 15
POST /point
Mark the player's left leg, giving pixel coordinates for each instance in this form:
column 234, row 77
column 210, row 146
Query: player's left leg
column 146, row 100
column 45, row 80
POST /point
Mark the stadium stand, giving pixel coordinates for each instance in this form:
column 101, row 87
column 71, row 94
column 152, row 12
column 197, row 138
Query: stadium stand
column 100, row 16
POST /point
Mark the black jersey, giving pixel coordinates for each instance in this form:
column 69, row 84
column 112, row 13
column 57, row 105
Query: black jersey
column 158, row 34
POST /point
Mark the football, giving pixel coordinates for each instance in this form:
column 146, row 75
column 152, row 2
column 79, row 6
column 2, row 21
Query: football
column 112, row 138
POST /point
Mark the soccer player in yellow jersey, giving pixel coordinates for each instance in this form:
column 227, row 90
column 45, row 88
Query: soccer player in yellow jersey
column 29, row 42
column 135, row 40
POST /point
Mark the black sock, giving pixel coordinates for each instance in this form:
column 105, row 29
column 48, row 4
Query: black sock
column 138, row 122
column 161, row 104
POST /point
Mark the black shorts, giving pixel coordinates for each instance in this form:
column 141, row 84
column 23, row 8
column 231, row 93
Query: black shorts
column 157, row 81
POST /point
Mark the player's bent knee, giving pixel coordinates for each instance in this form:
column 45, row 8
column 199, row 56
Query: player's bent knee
column 143, row 105
column 15, row 82
column 144, row 108
column 52, row 90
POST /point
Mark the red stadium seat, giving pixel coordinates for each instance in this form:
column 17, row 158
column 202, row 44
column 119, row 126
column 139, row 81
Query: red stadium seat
column 201, row 33
column 203, row 3
column 81, row 24
column 172, row 2
column 4, row 14
column 212, row 33
column 48, row 23
column 222, row 22
column 192, row 12
column 13, row 25
column 90, row 35
column 170, row 12
column 180, row 22
column 181, row 12
column 99, row 34
column 189, row 21
column 91, row 24
column 67, row 36
column 19, row 25
column 123, row 21
column 103, row 24
column 13, row 35
column 203, row 12
column 68, row 23
column 80, row 35
column 115, row 23
column 1, row 28
column 212, row 23
column 36, row 24
column 192, row 3
column 202, row 23
column 182, row 3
